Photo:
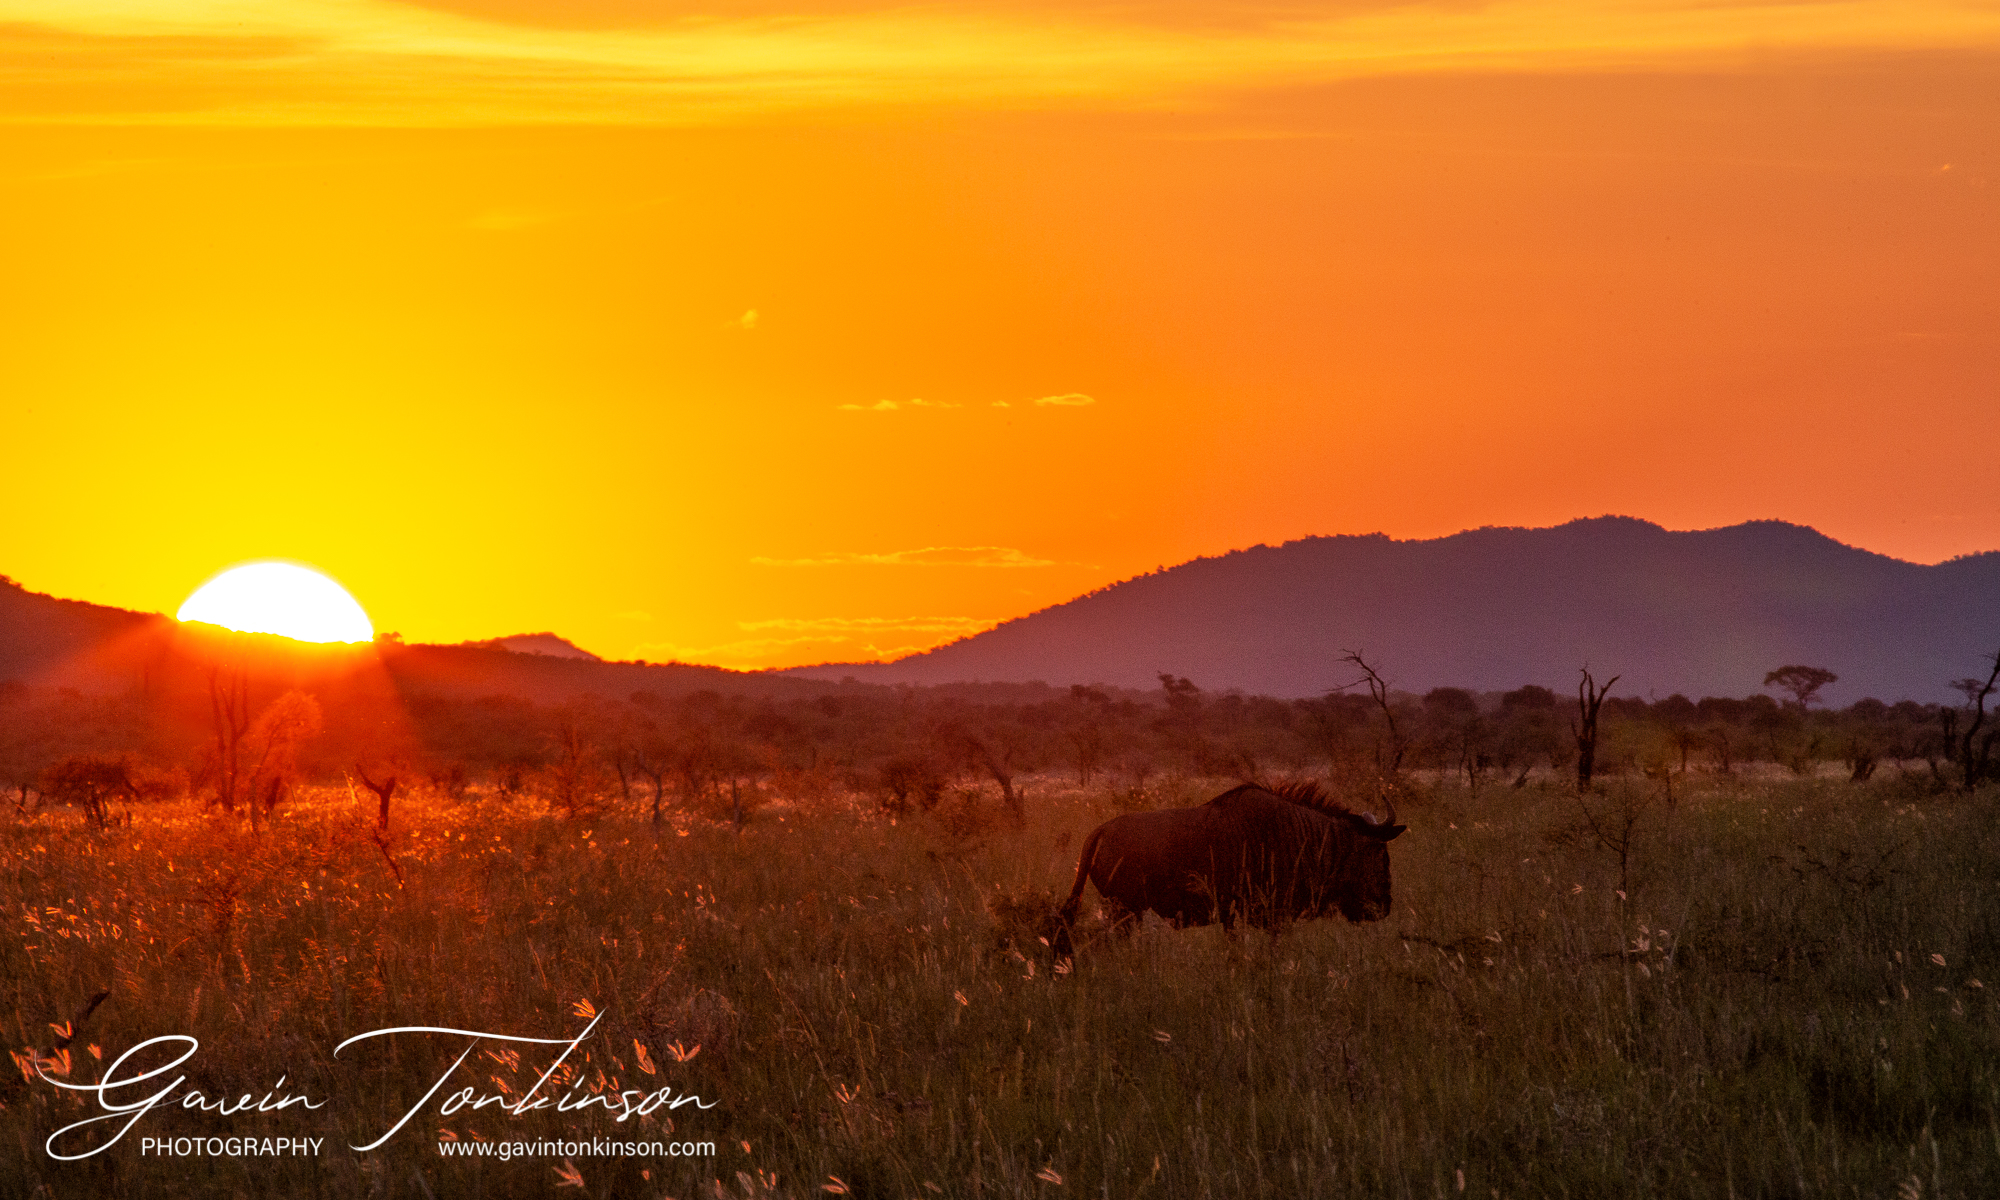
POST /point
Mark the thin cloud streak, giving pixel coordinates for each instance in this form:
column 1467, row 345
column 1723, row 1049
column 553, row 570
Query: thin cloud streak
column 949, row 626
column 928, row 556
column 897, row 405
column 331, row 62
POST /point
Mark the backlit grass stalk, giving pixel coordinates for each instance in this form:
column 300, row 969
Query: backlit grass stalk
column 1794, row 995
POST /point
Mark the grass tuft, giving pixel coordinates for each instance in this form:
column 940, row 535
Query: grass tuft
column 1766, row 987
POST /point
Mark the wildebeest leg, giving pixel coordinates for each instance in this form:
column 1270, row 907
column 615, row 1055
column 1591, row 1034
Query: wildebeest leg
column 1124, row 922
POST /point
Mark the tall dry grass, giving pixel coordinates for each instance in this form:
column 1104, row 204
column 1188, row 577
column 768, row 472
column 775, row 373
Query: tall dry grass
column 1794, row 996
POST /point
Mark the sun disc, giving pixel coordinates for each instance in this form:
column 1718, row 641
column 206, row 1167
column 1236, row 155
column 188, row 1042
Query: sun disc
column 282, row 598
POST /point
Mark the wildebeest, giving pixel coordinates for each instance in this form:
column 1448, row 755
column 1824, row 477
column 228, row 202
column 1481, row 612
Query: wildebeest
column 1262, row 855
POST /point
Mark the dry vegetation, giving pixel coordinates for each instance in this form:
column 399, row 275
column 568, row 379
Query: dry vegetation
column 1794, row 996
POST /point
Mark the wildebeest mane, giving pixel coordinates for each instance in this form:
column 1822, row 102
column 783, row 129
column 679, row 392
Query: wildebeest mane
column 1305, row 793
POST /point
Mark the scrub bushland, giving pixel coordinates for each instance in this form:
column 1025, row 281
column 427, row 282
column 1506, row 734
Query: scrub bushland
column 1761, row 987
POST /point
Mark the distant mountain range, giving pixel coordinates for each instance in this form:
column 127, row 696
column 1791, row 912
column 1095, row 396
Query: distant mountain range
column 1701, row 613
column 1708, row 612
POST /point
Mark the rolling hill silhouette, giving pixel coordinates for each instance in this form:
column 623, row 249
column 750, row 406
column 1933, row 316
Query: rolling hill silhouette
column 49, row 642
column 1707, row 612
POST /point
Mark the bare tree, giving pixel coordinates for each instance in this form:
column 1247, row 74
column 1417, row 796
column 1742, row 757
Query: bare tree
column 384, row 791
column 1976, row 758
column 653, row 761
column 1589, row 699
column 1005, row 750
column 229, row 712
column 1616, row 831
column 1389, row 763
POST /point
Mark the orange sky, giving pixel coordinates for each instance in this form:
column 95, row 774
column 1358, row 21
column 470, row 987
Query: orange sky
column 763, row 333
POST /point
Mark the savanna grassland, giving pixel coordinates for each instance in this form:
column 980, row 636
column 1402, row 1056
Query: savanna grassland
column 1794, row 995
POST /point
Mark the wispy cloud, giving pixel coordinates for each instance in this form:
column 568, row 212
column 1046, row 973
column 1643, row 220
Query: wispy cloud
column 1068, row 400
column 928, row 556
column 473, row 62
column 951, row 627
column 898, row 405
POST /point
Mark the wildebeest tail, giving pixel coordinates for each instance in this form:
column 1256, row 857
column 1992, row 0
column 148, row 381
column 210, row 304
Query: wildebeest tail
column 1063, row 947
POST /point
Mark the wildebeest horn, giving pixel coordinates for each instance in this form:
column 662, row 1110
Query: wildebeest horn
column 1381, row 828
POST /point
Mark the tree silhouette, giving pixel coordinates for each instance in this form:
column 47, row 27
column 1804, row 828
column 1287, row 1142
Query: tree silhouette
column 1977, row 758
column 385, row 791
column 1589, row 699
column 1803, row 683
column 274, row 739
column 89, row 782
column 229, row 712
column 1390, row 764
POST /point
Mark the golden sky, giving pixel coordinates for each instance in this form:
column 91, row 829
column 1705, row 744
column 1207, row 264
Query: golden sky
column 763, row 332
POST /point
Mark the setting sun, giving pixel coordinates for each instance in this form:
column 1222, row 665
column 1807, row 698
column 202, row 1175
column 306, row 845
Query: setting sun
column 282, row 598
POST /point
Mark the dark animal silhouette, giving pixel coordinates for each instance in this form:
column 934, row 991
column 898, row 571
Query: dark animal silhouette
column 1262, row 855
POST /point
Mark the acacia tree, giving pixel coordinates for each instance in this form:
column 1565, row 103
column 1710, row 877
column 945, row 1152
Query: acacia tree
column 1328, row 720
column 89, row 782
column 1530, row 730
column 1181, row 727
column 1802, row 683
column 1453, row 715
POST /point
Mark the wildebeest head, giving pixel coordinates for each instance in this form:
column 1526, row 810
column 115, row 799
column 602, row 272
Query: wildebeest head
column 1361, row 882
